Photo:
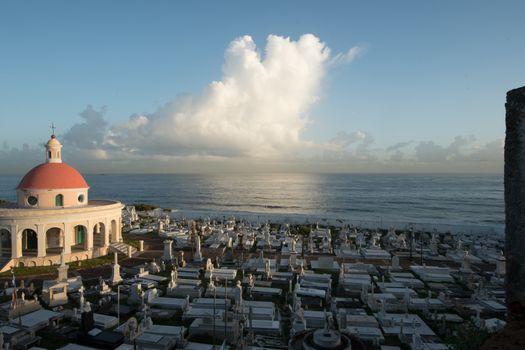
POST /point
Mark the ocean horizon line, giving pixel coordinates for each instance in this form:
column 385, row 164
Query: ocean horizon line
column 87, row 173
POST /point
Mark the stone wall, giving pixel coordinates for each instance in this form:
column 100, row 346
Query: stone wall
column 515, row 203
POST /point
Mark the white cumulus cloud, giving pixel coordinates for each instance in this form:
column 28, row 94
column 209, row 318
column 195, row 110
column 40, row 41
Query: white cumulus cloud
column 258, row 108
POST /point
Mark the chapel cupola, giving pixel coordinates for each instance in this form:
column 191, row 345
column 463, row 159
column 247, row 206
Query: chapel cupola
column 53, row 149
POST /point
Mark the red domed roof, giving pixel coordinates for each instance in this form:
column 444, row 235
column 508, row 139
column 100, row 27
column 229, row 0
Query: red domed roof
column 52, row 176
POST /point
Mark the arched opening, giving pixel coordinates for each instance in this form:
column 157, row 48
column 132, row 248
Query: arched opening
column 99, row 235
column 80, row 238
column 59, row 200
column 29, row 243
column 54, row 241
column 5, row 243
column 113, row 235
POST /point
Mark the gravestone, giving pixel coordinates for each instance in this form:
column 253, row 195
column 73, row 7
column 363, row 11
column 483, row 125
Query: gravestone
column 115, row 271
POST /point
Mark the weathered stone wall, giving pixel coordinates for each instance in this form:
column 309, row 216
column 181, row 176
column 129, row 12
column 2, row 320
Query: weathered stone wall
column 515, row 202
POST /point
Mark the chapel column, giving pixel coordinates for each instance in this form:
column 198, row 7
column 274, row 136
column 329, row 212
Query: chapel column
column 119, row 229
column 16, row 242
column 89, row 236
column 68, row 235
column 41, row 240
column 107, row 238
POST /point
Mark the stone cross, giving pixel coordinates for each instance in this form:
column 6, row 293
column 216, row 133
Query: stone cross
column 81, row 299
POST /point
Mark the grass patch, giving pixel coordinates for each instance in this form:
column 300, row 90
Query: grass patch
column 77, row 265
column 91, row 263
column 132, row 242
column 27, row 271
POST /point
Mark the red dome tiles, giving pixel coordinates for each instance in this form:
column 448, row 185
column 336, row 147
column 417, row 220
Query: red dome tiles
column 52, row 176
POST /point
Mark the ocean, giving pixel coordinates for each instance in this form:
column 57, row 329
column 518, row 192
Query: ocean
column 472, row 203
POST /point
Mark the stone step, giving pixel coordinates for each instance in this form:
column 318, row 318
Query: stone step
column 123, row 248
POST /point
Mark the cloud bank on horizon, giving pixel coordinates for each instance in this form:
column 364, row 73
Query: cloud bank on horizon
column 257, row 113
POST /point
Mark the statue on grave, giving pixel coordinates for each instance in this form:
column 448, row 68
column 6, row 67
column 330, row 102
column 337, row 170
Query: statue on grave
column 328, row 321
column 465, row 265
column 301, row 269
column 174, row 276
column 267, row 270
column 81, row 298
column 459, row 244
column 130, row 329
column 182, row 261
column 209, row 265
column 211, row 284
column 153, row 267
column 238, row 296
column 87, row 307
column 292, row 250
column 267, row 241
column 198, row 254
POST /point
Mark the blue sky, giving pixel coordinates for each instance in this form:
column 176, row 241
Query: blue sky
column 427, row 72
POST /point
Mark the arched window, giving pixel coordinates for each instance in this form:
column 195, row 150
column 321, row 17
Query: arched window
column 59, row 200
column 81, row 234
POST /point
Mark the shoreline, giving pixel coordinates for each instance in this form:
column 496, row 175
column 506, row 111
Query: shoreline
column 334, row 220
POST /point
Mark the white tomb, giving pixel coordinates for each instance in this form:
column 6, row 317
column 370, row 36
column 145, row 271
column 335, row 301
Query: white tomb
column 168, row 254
column 198, row 255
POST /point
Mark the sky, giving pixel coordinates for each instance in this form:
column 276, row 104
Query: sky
column 269, row 86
